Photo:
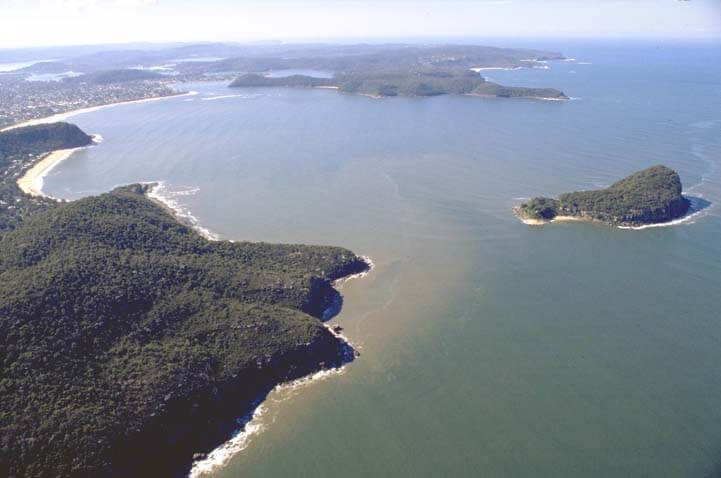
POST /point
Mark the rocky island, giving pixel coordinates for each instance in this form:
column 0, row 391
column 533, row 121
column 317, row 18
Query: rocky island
column 650, row 196
column 128, row 342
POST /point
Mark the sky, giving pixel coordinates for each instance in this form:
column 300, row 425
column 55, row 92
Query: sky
column 81, row 22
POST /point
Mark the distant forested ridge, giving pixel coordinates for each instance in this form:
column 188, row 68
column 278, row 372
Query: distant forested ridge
column 401, row 70
column 256, row 79
column 364, row 58
column 128, row 342
column 413, row 82
column 317, row 56
column 650, row 196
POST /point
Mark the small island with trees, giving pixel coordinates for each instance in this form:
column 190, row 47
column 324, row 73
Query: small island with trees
column 650, row 196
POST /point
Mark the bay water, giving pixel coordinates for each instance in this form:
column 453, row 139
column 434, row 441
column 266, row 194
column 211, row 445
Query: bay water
column 488, row 347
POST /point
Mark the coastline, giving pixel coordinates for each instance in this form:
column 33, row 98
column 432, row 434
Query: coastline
column 32, row 182
column 155, row 193
column 542, row 222
column 479, row 69
column 63, row 116
column 539, row 98
column 248, row 424
column 33, row 179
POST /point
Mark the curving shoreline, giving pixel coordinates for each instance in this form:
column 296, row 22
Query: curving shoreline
column 302, row 365
column 248, row 425
column 686, row 219
column 33, row 179
column 63, row 116
column 154, row 192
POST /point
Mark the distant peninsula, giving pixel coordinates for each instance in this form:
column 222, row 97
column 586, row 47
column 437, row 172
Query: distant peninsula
column 413, row 82
column 128, row 342
column 403, row 70
column 97, row 78
column 650, row 196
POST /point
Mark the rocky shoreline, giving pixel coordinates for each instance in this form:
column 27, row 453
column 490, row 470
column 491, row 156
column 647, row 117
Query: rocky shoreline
column 160, row 338
column 190, row 426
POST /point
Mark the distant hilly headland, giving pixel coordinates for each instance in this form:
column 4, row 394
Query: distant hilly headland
column 421, row 82
column 128, row 342
column 97, row 78
column 650, row 196
column 412, row 71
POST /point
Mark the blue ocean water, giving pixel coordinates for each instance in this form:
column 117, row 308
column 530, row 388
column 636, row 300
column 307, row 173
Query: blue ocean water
column 488, row 347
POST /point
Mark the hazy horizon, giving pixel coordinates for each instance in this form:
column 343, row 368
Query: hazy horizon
column 46, row 23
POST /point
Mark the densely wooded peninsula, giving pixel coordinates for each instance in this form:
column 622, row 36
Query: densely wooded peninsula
column 422, row 82
column 128, row 342
column 407, row 71
column 650, row 196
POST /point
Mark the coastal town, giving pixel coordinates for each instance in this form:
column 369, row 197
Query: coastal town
column 24, row 100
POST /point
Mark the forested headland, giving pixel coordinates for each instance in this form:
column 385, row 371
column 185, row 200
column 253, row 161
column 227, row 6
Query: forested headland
column 128, row 342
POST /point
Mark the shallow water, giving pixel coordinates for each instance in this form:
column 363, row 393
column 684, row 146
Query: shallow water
column 488, row 347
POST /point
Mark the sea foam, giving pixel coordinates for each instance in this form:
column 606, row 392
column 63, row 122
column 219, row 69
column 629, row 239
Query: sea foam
column 162, row 194
column 251, row 424
column 696, row 210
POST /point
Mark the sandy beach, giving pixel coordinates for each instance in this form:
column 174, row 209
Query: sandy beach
column 533, row 222
column 32, row 181
column 540, row 222
column 483, row 68
column 63, row 116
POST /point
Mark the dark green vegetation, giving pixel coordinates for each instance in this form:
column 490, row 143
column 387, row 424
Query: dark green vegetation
column 412, row 82
column 39, row 139
column 113, row 76
column 19, row 149
column 649, row 196
column 376, row 70
column 399, row 70
column 128, row 342
column 256, row 79
column 363, row 58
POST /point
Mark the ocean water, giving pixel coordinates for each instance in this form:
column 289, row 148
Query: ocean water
column 488, row 347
